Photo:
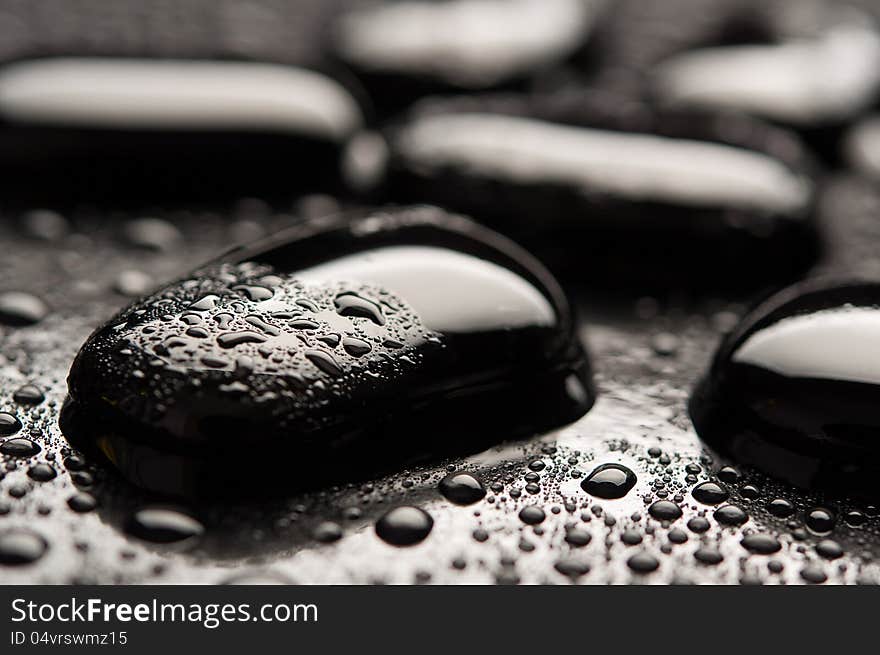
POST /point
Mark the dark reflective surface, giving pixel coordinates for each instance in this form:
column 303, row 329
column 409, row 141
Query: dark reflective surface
column 335, row 343
column 640, row 196
column 794, row 389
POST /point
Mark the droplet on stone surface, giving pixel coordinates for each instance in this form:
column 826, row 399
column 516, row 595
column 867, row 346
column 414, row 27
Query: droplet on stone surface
column 21, row 546
column 462, row 488
column 163, row 525
column 404, row 526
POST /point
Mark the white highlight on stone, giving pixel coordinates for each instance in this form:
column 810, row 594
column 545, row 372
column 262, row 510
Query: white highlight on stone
column 176, row 94
column 469, row 42
column 472, row 294
column 802, row 82
column 835, row 344
column 638, row 166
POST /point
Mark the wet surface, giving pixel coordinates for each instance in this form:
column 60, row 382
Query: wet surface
column 691, row 515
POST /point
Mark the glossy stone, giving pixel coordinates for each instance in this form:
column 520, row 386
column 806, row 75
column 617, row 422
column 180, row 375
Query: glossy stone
column 470, row 343
column 640, row 195
column 119, row 126
column 404, row 50
column 800, row 82
column 794, row 389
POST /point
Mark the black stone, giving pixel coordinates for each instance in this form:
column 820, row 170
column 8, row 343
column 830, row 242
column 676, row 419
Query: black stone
column 794, row 391
column 495, row 157
column 447, row 373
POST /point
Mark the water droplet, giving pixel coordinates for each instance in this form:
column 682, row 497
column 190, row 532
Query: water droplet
column 609, row 481
column 780, row 508
column 532, row 515
column 9, row 423
column 462, row 488
column 730, row 515
column 820, row 520
column 351, row 304
column 21, row 546
column 42, row 472
column 19, row 447
column 404, row 526
column 327, row 532
column 643, row 562
column 664, row 510
column 829, row 549
column 708, row 555
column 28, row 395
column 163, row 525
column 82, row 502
column 710, row 493
column 761, row 544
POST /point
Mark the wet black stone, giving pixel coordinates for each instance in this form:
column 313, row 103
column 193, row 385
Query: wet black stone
column 762, row 544
column 710, row 493
column 462, row 488
column 609, row 481
column 404, row 526
column 249, row 155
column 21, row 546
column 730, row 515
column 808, row 419
column 163, row 525
column 728, row 474
column 494, row 156
column 677, row 536
column 532, row 515
column 9, row 423
column 664, row 510
column 181, row 414
column 780, row 39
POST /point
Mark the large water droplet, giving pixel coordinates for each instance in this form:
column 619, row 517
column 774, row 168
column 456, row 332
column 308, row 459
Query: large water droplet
column 609, row 481
column 462, row 488
column 404, row 526
column 163, row 525
column 21, row 546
